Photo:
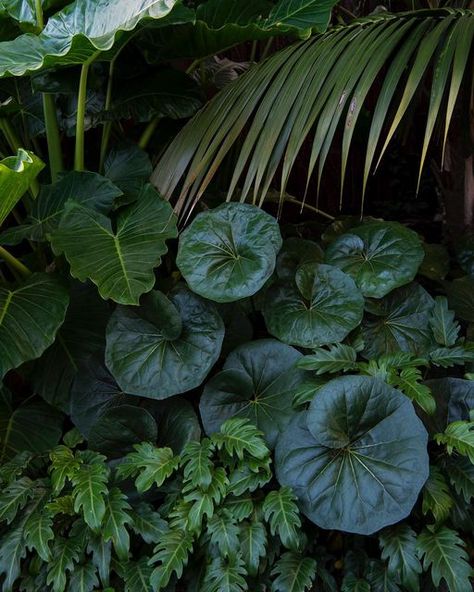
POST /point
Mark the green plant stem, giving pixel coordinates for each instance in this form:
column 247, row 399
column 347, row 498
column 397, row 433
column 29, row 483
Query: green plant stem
column 266, row 49
column 14, row 263
column 107, row 129
column 148, row 133
column 39, row 14
column 52, row 135
column 81, row 114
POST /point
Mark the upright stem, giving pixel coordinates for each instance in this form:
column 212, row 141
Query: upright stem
column 148, row 133
column 81, row 113
column 108, row 124
column 39, row 14
column 14, row 263
column 52, row 135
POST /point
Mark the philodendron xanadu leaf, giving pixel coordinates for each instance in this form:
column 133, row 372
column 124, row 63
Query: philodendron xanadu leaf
column 165, row 347
column 294, row 573
column 30, row 316
column 258, row 382
column 400, row 321
column 379, row 256
column 119, row 262
column 398, row 545
column 77, row 33
column 321, row 306
column 229, row 253
column 445, row 328
column 357, row 458
column 16, row 175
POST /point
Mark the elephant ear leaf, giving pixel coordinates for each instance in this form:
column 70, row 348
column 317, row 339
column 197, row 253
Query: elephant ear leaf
column 16, row 175
column 120, row 262
column 30, row 316
column 77, row 33
column 258, row 382
column 320, row 307
column 229, row 253
column 357, row 459
column 379, row 256
column 165, row 347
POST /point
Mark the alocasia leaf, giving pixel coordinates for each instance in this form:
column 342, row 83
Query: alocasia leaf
column 88, row 189
column 77, row 33
column 400, row 321
column 81, row 334
column 129, row 168
column 33, row 426
column 357, row 458
column 30, row 316
column 168, row 93
column 230, row 252
column 120, row 262
column 379, row 256
column 321, row 306
column 165, row 347
column 258, row 382
column 16, row 175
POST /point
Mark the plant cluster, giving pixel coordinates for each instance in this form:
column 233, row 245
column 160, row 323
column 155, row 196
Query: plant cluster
column 215, row 403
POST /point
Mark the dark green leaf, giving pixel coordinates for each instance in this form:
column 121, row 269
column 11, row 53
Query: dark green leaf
column 281, row 512
column 398, row 546
column 115, row 520
column 436, row 495
column 83, row 579
column 172, row 554
column 136, row 575
column 229, row 253
column 152, row 465
column 90, row 489
column 30, row 316
column 129, row 168
column 294, row 572
column 322, row 307
column 460, row 296
column 379, row 256
column 239, row 437
column 445, row 328
column 252, row 545
column 294, row 253
column 257, row 382
column 119, row 262
column 224, row 533
column 357, row 459
column 337, row 358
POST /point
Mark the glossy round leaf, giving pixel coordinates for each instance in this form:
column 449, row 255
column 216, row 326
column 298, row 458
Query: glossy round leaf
column 461, row 297
column 229, row 253
column 152, row 355
column 258, row 382
column 322, row 306
column 177, row 422
column 400, row 321
column 357, row 459
column 379, row 256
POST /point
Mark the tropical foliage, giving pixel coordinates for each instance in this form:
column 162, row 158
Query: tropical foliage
column 197, row 393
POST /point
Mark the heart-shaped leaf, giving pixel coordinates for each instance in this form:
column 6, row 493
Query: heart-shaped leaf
column 88, row 189
column 76, row 33
column 119, row 262
column 16, row 175
column 258, row 382
column 379, row 256
column 165, row 347
column 33, row 426
column 129, row 168
column 400, row 321
column 357, row 458
column 229, row 253
column 30, row 316
column 322, row 306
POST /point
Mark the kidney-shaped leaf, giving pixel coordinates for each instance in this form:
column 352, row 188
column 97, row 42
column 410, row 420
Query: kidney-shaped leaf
column 165, row 347
column 357, row 458
column 16, row 175
column 379, row 256
column 294, row 253
column 33, row 426
column 229, row 253
column 400, row 321
column 322, row 306
column 258, row 382
column 30, row 316
column 119, row 262
column 76, row 33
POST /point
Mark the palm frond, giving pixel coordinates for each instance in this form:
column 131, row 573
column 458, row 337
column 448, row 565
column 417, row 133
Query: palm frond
column 308, row 89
